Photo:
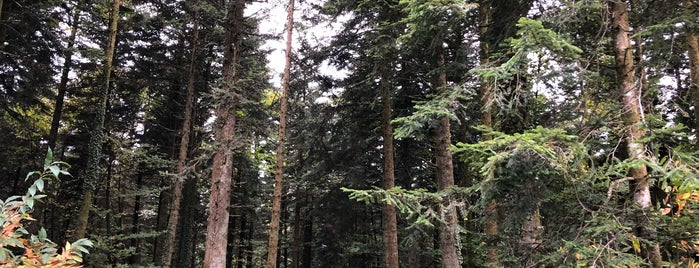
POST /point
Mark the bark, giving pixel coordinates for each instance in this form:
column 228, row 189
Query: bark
column 307, row 251
column 187, row 226
column 174, row 215
column 161, row 222
column 296, row 247
column 626, row 87
column 279, row 175
column 97, row 135
column 445, row 178
column 693, row 52
column 224, row 132
column 390, row 229
column 3, row 30
column 491, row 224
column 63, row 84
column 135, row 228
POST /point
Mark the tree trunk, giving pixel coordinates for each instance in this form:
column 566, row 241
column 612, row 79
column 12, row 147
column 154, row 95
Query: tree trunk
column 632, row 120
column 97, row 135
column 63, row 84
column 174, row 215
column 491, row 224
column 693, row 52
column 224, row 132
column 390, row 229
column 161, row 222
column 279, row 175
column 187, row 226
column 307, row 250
column 296, row 247
column 135, row 219
column 445, row 177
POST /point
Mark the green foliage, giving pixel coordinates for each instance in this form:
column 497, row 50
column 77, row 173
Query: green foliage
column 38, row 250
column 536, row 52
column 427, row 112
column 422, row 207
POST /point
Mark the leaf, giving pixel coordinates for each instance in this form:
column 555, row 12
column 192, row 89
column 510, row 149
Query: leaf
column 30, row 174
column 39, row 185
column 42, row 234
column 48, row 159
column 636, row 245
column 55, row 170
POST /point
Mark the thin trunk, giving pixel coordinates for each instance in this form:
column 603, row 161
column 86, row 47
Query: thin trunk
column 224, row 132
column 632, row 119
column 445, row 178
column 135, row 228
column 279, row 175
column 39, row 207
column 296, row 247
column 241, row 249
column 108, row 204
column 63, row 84
column 307, row 251
column 97, row 135
column 390, row 229
column 2, row 27
column 693, row 52
column 161, row 222
column 491, row 224
column 187, row 226
column 174, row 215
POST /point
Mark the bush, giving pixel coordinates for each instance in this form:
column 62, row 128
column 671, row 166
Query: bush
column 36, row 250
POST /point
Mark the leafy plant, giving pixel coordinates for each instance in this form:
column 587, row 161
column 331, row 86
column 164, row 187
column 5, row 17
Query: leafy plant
column 36, row 250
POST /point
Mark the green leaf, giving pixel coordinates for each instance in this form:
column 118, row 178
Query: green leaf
column 48, row 159
column 42, row 234
column 39, row 185
column 55, row 170
column 30, row 174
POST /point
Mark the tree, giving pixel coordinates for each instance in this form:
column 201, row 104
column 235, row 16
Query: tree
column 97, row 134
column 281, row 139
column 626, row 87
column 693, row 53
column 224, row 135
column 182, row 174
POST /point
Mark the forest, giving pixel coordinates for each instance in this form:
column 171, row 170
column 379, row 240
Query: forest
column 349, row 133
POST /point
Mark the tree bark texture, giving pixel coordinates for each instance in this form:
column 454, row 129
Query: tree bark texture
column 445, row 178
column 491, row 224
column 97, row 135
column 174, row 214
column 63, row 84
column 693, row 52
column 224, row 135
column 630, row 99
column 390, row 228
column 279, row 172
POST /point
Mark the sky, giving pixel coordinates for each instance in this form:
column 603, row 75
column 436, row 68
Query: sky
column 272, row 15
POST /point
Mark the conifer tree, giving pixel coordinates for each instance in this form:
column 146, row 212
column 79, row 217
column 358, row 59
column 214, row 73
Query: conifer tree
column 97, row 134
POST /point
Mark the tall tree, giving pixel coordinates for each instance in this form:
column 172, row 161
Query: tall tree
column 631, row 109
column 182, row 174
column 224, row 135
column 390, row 232
column 273, row 245
column 693, row 53
column 62, row 86
column 448, row 230
column 97, row 134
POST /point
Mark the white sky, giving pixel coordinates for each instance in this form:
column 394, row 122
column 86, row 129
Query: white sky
column 272, row 15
